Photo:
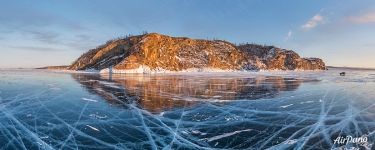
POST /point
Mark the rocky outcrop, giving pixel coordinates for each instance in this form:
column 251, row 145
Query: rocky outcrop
column 274, row 58
column 109, row 54
column 55, row 67
column 156, row 52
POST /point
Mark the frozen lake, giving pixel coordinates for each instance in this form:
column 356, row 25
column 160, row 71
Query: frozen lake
column 276, row 110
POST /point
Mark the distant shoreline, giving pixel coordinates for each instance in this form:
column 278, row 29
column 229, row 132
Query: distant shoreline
column 64, row 66
column 352, row 68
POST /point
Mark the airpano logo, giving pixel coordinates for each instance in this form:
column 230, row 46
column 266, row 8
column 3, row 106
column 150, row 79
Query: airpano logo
column 350, row 140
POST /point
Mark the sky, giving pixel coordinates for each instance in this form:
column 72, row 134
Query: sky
column 51, row 32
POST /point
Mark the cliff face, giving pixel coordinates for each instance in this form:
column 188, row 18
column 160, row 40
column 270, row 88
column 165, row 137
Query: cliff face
column 163, row 52
column 275, row 58
column 160, row 52
column 106, row 55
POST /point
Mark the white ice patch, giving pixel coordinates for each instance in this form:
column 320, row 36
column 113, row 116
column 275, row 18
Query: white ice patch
column 290, row 142
column 226, row 135
column 90, row 100
column 93, row 128
column 140, row 69
column 285, row 106
column 306, row 102
column 198, row 132
column 96, row 116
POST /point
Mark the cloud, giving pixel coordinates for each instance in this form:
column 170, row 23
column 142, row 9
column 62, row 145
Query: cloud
column 289, row 35
column 30, row 19
column 44, row 36
column 368, row 17
column 82, row 42
column 313, row 22
column 35, row 48
column 38, row 25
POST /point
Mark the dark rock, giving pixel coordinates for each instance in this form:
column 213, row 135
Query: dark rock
column 55, row 67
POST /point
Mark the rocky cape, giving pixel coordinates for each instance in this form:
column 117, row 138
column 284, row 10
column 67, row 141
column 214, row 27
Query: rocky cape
column 155, row 52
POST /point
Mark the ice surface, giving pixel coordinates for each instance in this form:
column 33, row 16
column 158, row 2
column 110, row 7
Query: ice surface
column 264, row 110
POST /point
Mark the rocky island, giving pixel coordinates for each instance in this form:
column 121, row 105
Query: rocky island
column 155, row 52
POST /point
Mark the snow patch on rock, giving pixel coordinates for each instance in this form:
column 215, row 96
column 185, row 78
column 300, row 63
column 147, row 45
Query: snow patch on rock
column 147, row 70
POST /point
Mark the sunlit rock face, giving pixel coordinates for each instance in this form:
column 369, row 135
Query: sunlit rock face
column 158, row 93
column 160, row 52
column 275, row 58
column 175, row 54
column 106, row 55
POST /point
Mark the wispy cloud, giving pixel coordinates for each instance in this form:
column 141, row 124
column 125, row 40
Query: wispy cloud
column 313, row 22
column 368, row 17
column 31, row 19
column 44, row 36
column 289, row 35
column 37, row 26
column 35, row 48
column 82, row 42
